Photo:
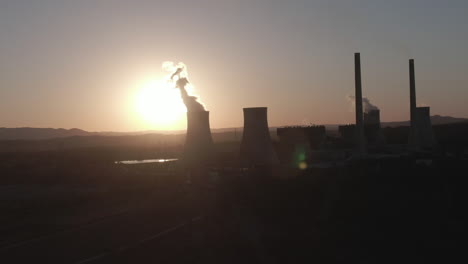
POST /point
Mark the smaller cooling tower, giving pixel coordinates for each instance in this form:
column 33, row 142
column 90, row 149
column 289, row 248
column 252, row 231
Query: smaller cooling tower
column 425, row 134
column 198, row 142
column 372, row 117
column 372, row 129
column 256, row 146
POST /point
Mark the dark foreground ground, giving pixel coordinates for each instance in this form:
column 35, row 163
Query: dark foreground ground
column 374, row 211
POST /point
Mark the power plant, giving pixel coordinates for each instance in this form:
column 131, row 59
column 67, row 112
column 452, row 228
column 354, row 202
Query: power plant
column 305, row 144
column 314, row 190
column 256, row 148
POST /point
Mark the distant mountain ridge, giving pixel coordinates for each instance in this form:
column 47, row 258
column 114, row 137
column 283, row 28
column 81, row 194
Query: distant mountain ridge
column 30, row 133
column 435, row 120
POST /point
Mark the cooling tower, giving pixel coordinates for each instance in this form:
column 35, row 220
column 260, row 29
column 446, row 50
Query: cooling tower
column 372, row 117
column 372, row 128
column 198, row 142
column 360, row 140
column 425, row 135
column 256, row 146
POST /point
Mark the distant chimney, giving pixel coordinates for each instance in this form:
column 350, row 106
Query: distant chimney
column 256, row 146
column 412, row 92
column 413, row 136
column 360, row 140
column 198, row 142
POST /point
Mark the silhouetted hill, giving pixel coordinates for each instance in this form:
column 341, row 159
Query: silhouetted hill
column 30, row 133
column 148, row 141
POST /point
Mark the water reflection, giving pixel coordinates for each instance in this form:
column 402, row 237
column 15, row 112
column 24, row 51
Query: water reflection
column 144, row 161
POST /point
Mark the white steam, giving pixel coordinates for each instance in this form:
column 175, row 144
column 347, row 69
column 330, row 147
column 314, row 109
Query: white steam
column 367, row 105
column 179, row 76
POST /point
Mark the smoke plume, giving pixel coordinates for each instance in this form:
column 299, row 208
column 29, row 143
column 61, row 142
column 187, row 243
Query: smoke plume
column 179, row 76
column 365, row 102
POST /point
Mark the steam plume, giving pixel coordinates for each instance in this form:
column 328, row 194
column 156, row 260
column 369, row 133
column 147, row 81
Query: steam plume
column 179, row 76
column 366, row 102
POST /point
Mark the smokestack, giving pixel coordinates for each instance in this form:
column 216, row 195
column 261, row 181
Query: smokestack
column 256, row 146
column 412, row 93
column 360, row 141
column 414, row 128
column 198, row 142
column 413, row 136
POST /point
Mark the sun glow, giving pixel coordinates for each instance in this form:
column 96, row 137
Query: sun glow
column 159, row 105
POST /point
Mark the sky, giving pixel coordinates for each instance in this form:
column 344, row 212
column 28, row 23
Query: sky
column 79, row 64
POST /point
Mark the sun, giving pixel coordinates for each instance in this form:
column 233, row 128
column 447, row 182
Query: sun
column 159, row 105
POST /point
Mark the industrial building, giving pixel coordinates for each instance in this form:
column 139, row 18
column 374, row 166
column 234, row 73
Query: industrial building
column 297, row 142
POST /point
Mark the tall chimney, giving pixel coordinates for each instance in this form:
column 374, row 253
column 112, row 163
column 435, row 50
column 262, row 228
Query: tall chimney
column 256, row 146
column 360, row 140
column 412, row 92
column 198, row 142
column 413, row 136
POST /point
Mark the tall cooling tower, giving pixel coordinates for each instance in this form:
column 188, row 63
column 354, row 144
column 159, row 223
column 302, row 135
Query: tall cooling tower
column 256, row 146
column 198, row 142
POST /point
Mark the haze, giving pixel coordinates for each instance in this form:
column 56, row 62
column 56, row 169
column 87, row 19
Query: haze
column 79, row 63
